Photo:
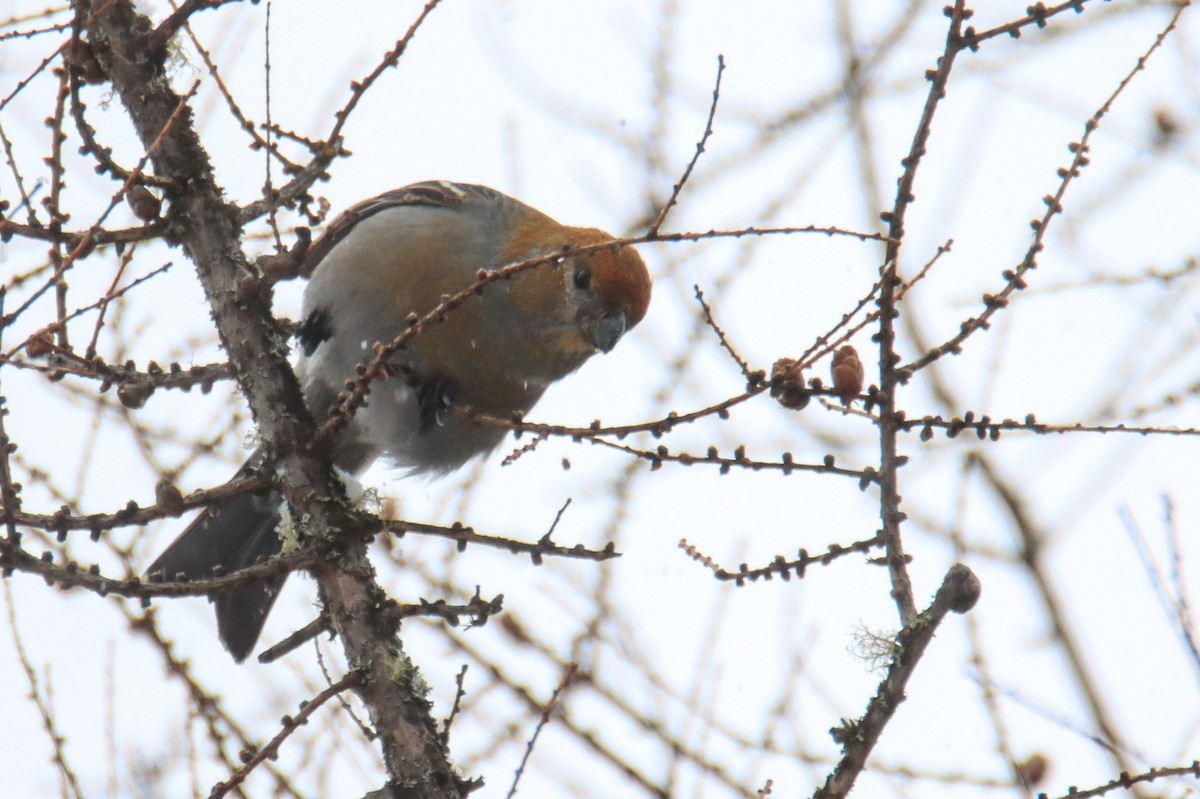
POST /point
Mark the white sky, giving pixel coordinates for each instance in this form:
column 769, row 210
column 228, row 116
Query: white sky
column 551, row 102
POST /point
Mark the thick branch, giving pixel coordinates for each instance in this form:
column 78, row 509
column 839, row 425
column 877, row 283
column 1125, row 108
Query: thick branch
column 959, row 592
column 209, row 230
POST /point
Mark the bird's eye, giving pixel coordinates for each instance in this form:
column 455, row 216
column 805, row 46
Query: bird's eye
column 583, row 278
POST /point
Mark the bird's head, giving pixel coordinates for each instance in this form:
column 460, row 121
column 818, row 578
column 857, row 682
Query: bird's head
column 581, row 303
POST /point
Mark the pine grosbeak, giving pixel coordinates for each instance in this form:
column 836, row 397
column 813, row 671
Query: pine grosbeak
column 381, row 261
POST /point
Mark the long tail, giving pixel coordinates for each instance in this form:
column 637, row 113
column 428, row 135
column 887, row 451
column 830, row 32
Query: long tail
column 232, row 536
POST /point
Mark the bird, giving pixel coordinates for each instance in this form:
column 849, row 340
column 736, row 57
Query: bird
column 377, row 265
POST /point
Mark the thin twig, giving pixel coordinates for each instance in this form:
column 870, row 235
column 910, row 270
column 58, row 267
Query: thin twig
column 547, row 710
column 290, row 725
column 700, row 145
column 959, row 591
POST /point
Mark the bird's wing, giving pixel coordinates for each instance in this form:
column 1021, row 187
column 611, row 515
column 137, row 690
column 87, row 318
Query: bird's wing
column 432, row 193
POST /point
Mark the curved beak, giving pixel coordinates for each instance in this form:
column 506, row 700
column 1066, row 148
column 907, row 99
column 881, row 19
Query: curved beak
column 608, row 329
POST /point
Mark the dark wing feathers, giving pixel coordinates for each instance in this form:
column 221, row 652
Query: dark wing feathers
column 433, row 193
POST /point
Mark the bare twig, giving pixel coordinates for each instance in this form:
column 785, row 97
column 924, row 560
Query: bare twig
column 700, row 145
column 958, row 593
column 290, row 725
column 543, row 720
